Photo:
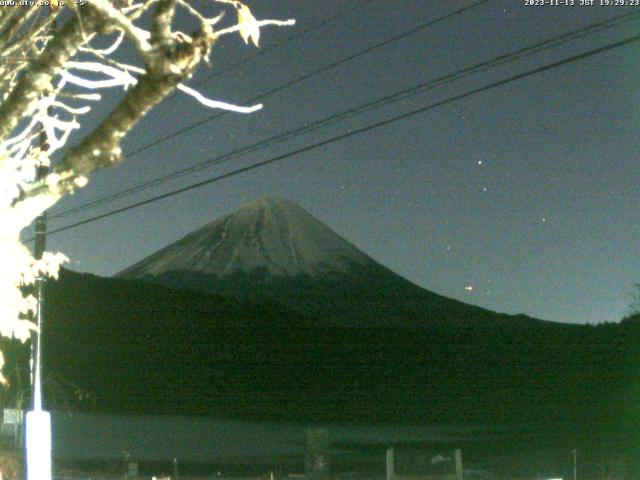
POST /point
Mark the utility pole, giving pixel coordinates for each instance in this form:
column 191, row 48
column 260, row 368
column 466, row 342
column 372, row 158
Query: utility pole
column 574, row 453
column 459, row 468
column 39, row 248
column 38, row 421
column 390, row 464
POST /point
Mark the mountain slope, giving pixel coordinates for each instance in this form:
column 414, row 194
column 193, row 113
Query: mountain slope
column 286, row 340
column 139, row 347
column 274, row 249
column 273, row 235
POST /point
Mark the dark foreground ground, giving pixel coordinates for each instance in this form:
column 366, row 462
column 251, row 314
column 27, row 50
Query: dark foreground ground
column 90, row 446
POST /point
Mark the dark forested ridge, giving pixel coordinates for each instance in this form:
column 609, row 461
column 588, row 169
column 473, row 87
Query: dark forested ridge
column 144, row 348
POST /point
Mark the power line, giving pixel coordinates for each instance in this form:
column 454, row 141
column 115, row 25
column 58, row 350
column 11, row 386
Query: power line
column 284, row 41
column 295, row 81
column 403, row 94
column 314, row 73
column 321, row 23
column 359, row 131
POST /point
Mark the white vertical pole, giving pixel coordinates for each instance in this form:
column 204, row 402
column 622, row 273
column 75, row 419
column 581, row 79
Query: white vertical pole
column 459, row 469
column 38, row 445
column 38, row 422
column 390, row 464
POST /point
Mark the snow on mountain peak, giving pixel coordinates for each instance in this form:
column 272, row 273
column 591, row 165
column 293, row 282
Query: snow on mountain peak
column 270, row 233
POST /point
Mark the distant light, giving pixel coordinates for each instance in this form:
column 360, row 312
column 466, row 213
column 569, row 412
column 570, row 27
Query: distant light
column 469, row 288
column 479, row 162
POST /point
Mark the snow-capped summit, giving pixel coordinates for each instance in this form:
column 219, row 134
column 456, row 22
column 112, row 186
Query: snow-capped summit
column 272, row 249
column 273, row 235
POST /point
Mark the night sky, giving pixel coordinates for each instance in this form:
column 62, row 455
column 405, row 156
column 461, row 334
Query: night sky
column 521, row 199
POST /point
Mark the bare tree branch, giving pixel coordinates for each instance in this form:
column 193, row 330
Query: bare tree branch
column 102, row 146
column 37, row 77
column 162, row 20
column 6, row 14
column 35, row 96
column 14, row 22
column 117, row 18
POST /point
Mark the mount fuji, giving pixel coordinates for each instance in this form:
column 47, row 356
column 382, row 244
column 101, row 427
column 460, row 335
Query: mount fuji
column 271, row 235
column 274, row 249
column 268, row 314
